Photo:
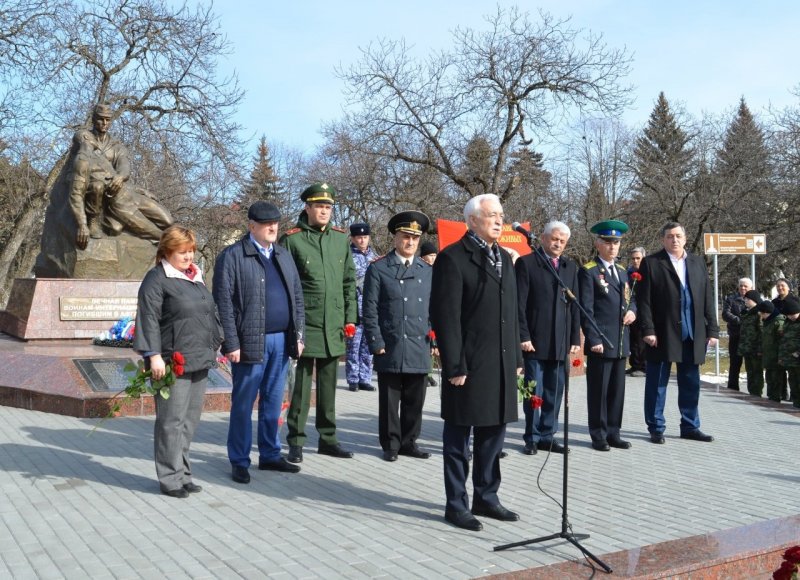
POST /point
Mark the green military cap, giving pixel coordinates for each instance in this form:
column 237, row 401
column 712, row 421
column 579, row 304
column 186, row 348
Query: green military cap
column 409, row 222
column 318, row 193
column 610, row 229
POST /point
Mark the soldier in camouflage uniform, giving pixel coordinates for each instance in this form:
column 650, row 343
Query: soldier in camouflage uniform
column 771, row 334
column 750, row 343
column 322, row 255
column 359, row 360
column 789, row 346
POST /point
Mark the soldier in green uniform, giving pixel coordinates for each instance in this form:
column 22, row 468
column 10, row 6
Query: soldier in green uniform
column 789, row 347
column 771, row 334
column 327, row 273
column 750, row 343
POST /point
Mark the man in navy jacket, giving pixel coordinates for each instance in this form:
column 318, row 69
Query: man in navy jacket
column 260, row 301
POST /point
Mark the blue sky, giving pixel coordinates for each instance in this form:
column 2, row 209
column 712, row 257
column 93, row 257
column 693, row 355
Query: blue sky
column 703, row 55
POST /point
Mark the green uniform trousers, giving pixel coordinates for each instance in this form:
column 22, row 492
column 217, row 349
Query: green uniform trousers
column 301, row 401
column 755, row 374
column 777, row 389
column 794, row 385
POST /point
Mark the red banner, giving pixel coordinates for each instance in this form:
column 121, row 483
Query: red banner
column 450, row 232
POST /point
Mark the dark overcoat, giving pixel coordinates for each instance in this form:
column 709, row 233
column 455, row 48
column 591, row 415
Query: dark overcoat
column 395, row 315
column 659, row 302
column 474, row 316
column 606, row 301
column 543, row 318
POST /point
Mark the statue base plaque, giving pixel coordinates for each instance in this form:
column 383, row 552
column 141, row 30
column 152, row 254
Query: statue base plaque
column 63, row 308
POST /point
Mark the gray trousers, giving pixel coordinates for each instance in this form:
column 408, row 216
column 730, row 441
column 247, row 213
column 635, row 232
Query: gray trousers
column 176, row 420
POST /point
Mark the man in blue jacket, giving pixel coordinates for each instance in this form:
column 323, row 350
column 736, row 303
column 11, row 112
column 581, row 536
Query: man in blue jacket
column 397, row 291
column 260, row 301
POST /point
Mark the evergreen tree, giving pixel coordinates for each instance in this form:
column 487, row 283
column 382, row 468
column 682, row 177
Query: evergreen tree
column 264, row 182
column 664, row 163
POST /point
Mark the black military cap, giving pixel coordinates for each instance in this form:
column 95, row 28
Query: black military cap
column 765, row 306
column 610, row 229
column 359, row 229
column 791, row 305
column 428, row 248
column 264, row 212
column 318, row 193
column 409, row 222
column 754, row 296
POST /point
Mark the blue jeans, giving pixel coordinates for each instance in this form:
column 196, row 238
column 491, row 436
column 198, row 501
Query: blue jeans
column 655, row 392
column 541, row 424
column 266, row 379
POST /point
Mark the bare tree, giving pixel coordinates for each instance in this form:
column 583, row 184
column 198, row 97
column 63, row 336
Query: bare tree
column 502, row 85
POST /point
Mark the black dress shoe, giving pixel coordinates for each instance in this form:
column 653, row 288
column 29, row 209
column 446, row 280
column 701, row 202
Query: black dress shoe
column 600, row 446
column 503, row 455
column 464, row 520
column 618, row 443
column 365, row 387
column 415, row 452
column 431, row 381
column 497, row 512
column 334, row 451
column 192, row 488
column 552, row 446
column 295, row 454
column 179, row 493
column 353, row 387
column 390, row 455
column 240, row 474
column 657, row 438
column 697, row 436
column 530, row 449
column 278, row 465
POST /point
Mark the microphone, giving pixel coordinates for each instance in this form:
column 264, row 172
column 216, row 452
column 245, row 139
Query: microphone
column 517, row 227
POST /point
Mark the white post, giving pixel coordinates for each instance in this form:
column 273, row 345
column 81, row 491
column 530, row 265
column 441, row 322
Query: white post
column 716, row 315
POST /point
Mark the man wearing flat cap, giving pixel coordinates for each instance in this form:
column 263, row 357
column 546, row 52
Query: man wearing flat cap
column 260, row 301
column 397, row 291
column 322, row 255
column 605, row 293
column 358, row 369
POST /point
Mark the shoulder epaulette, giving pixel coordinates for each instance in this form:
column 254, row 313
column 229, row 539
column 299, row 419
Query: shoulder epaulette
column 338, row 229
column 376, row 259
column 620, row 267
column 292, row 231
column 590, row 264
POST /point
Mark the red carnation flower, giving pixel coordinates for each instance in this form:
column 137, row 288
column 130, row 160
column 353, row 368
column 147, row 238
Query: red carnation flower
column 536, row 402
column 432, row 335
column 792, row 555
column 349, row 330
column 178, row 370
column 636, row 276
column 577, row 362
column 178, row 358
column 785, row 572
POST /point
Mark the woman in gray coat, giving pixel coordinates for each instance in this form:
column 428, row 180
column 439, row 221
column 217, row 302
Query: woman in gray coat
column 175, row 313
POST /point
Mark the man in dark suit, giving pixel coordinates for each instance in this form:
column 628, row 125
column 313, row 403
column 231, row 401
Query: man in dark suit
column 549, row 331
column 606, row 298
column 473, row 312
column 678, row 316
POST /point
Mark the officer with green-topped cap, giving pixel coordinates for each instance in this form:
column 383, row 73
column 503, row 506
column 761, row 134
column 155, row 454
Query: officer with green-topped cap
column 327, row 274
column 605, row 293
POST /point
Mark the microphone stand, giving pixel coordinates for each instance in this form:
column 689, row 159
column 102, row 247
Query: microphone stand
column 566, row 531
